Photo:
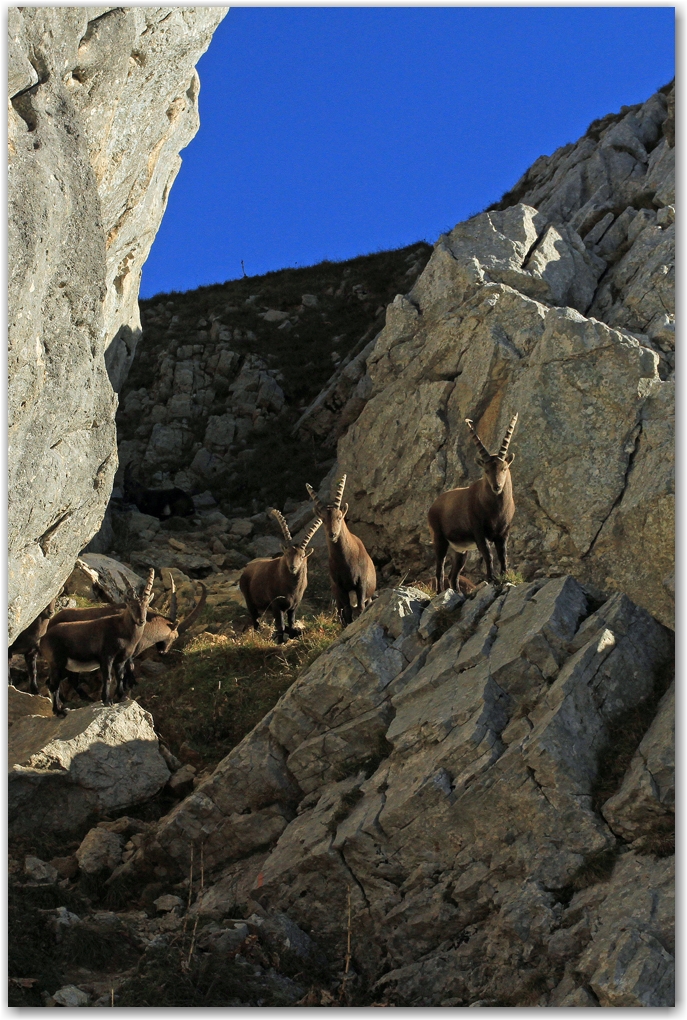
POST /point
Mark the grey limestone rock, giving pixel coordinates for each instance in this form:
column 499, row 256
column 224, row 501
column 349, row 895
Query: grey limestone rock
column 557, row 302
column 101, row 101
column 450, row 788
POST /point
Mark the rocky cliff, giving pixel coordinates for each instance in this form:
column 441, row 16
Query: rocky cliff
column 557, row 302
column 467, row 771
column 101, row 101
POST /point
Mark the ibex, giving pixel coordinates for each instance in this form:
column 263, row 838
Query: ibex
column 468, row 518
column 350, row 566
column 161, row 503
column 159, row 630
column 109, row 640
column 27, row 645
column 279, row 583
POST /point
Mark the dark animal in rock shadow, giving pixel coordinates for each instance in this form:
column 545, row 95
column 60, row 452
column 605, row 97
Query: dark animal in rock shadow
column 470, row 517
column 28, row 642
column 160, row 503
column 350, row 565
column 278, row 584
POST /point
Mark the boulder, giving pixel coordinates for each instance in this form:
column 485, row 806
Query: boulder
column 20, row 705
column 39, row 871
column 111, row 574
column 94, row 143
column 93, row 761
column 70, row 995
column 100, row 850
column 81, row 581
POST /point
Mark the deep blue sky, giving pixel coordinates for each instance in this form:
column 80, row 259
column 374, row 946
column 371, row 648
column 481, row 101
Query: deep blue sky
column 329, row 132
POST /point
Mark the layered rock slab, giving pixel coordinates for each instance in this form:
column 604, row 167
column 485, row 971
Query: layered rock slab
column 449, row 786
column 101, row 101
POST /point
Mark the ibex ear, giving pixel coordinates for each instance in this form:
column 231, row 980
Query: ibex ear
column 510, row 458
column 309, row 553
column 345, row 510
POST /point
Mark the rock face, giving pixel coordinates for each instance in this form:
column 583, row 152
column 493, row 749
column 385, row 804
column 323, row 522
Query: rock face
column 101, row 101
column 557, row 303
column 448, row 781
column 93, row 761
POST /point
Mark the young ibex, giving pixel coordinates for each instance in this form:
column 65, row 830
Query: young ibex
column 350, row 566
column 110, row 640
column 159, row 630
column 468, row 518
column 161, row 503
column 27, row 644
column 279, row 583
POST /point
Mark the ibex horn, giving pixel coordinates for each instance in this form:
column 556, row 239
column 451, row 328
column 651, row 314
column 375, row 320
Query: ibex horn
column 173, row 600
column 313, row 495
column 193, row 615
column 478, row 442
column 339, row 492
column 310, row 534
column 507, row 438
column 148, row 590
column 282, row 524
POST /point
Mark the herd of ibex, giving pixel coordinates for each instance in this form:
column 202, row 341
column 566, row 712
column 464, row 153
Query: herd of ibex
column 108, row 638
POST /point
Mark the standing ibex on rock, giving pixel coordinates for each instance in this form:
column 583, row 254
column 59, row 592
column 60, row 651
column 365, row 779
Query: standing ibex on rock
column 109, row 640
column 27, row 644
column 159, row 630
column 350, row 566
column 470, row 517
column 279, row 583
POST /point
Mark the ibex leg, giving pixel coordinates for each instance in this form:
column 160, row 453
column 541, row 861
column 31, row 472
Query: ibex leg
column 459, row 559
column 106, row 670
column 120, row 672
column 290, row 621
column 343, row 606
column 57, row 674
column 361, row 596
column 440, row 549
column 279, row 624
column 500, row 546
column 31, row 659
column 485, row 553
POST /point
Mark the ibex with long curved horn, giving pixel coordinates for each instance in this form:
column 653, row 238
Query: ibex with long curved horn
column 109, row 640
column 469, row 518
column 159, row 630
column 350, row 566
column 278, row 584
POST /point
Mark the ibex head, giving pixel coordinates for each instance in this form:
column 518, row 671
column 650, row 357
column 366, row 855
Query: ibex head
column 137, row 602
column 294, row 555
column 331, row 515
column 496, row 468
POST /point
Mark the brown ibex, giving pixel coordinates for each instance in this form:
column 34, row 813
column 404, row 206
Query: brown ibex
column 350, row 566
column 109, row 640
column 27, row 644
column 279, row 583
column 482, row 512
column 159, row 630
